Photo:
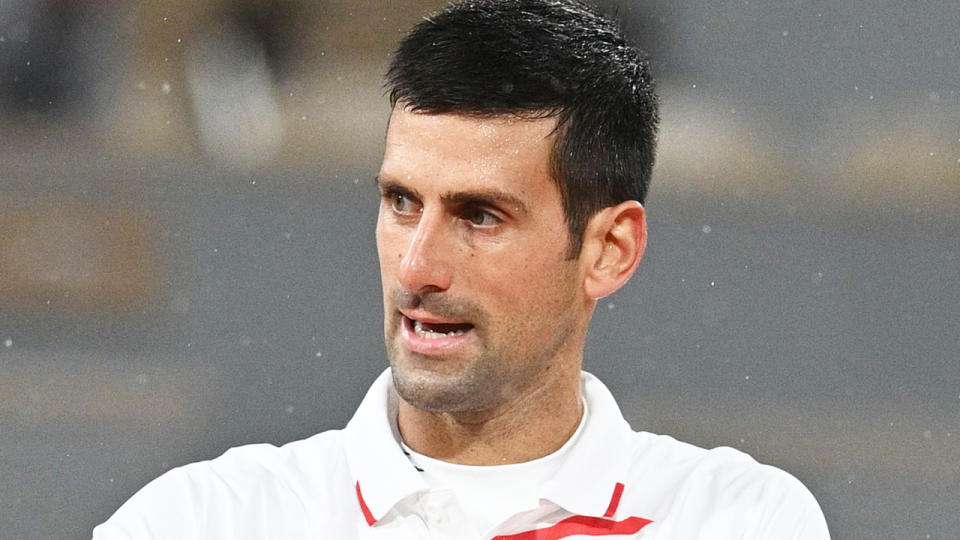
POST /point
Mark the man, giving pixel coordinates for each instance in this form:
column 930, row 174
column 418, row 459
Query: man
column 517, row 157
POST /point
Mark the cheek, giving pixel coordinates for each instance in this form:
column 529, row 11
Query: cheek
column 387, row 242
column 534, row 312
column 387, row 255
column 527, row 286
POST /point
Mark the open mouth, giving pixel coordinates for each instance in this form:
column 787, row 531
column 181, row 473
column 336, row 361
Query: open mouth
column 433, row 330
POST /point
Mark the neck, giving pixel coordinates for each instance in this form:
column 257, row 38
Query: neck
column 534, row 424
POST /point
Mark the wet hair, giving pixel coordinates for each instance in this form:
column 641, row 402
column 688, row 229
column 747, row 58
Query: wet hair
column 540, row 59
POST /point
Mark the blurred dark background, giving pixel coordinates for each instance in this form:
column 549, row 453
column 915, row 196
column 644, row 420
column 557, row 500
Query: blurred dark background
column 187, row 259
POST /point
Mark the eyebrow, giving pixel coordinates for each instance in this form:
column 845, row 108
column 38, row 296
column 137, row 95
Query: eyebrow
column 392, row 186
column 485, row 197
column 480, row 197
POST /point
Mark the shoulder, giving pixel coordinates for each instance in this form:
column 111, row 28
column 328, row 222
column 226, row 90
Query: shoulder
column 267, row 467
column 723, row 489
column 218, row 495
column 669, row 456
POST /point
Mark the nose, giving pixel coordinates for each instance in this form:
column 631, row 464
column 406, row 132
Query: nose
column 425, row 266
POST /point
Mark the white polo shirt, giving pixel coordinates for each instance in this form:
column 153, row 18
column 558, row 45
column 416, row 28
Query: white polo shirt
column 357, row 483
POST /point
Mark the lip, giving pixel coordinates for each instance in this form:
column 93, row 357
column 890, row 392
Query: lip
column 430, row 346
column 423, row 316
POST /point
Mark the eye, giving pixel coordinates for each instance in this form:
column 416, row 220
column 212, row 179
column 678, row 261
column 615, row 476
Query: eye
column 400, row 203
column 479, row 217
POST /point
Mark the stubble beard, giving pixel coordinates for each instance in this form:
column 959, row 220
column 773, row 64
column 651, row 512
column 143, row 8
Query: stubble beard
column 445, row 389
column 481, row 382
column 470, row 389
column 499, row 370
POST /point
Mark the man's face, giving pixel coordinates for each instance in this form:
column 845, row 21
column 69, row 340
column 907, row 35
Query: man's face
column 480, row 300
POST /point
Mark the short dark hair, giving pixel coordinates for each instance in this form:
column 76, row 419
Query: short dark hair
column 536, row 59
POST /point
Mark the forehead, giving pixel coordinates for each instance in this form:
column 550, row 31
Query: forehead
column 459, row 148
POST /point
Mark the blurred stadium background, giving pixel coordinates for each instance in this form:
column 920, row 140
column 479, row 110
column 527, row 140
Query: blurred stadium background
column 187, row 258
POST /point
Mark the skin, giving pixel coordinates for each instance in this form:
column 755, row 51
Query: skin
column 472, row 238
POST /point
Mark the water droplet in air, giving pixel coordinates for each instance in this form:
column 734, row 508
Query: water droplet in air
column 8, row 343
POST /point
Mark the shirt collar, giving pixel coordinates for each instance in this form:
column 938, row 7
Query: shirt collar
column 585, row 484
column 383, row 473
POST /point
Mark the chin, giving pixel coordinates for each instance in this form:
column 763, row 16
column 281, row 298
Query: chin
column 434, row 391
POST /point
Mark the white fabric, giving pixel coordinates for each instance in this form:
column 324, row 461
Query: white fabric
column 356, row 483
column 489, row 495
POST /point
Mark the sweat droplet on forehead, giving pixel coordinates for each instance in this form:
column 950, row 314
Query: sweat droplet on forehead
column 488, row 131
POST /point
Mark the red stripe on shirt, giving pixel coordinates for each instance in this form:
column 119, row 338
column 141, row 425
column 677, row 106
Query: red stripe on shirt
column 583, row 525
column 363, row 507
column 614, row 501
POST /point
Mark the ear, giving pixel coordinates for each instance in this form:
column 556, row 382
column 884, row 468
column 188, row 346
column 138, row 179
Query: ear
column 613, row 245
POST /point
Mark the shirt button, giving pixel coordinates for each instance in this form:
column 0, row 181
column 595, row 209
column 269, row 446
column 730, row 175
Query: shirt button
column 435, row 515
